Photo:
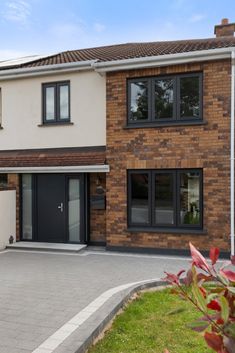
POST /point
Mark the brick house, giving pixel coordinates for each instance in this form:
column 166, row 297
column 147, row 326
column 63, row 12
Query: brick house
column 125, row 145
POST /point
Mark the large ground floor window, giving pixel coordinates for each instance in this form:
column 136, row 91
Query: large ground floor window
column 170, row 198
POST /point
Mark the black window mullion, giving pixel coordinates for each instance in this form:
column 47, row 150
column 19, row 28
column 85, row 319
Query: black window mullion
column 152, row 100
column 57, row 102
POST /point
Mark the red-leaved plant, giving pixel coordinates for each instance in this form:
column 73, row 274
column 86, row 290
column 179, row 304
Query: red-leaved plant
column 212, row 292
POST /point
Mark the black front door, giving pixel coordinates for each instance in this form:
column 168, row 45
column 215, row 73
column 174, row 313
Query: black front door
column 51, row 208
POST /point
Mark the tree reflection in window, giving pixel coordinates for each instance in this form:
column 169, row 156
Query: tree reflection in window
column 189, row 97
column 139, row 101
column 164, row 99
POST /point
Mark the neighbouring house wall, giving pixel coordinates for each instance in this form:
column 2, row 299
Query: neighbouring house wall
column 14, row 182
column 97, row 217
column 203, row 146
column 7, row 216
column 22, row 113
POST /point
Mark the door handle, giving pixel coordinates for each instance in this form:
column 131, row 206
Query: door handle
column 61, row 207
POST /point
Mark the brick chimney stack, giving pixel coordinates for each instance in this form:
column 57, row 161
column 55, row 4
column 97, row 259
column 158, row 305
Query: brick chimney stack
column 225, row 29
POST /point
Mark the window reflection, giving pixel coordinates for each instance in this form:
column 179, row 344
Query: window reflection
column 164, row 99
column 139, row 101
column 164, row 203
column 50, row 103
column 64, row 102
column 27, row 207
column 74, row 210
column 139, row 198
column 190, row 212
column 189, row 97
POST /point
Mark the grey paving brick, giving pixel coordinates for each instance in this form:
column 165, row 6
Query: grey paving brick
column 40, row 292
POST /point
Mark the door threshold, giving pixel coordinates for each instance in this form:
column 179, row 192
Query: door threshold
column 25, row 245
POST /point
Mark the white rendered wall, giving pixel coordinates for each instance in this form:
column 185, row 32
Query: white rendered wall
column 22, row 113
column 7, row 216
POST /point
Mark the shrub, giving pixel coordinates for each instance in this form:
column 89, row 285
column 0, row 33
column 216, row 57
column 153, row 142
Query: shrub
column 212, row 292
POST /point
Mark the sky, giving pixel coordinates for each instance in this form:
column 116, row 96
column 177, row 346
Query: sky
column 49, row 26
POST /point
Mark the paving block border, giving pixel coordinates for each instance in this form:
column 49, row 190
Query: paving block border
column 86, row 334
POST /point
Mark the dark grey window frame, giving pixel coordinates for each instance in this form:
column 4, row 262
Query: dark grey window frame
column 56, row 86
column 176, row 199
column 176, row 119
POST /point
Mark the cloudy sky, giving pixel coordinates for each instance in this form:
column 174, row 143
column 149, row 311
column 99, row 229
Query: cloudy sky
column 49, row 26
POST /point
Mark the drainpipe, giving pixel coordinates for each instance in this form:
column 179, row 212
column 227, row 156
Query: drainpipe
column 232, row 151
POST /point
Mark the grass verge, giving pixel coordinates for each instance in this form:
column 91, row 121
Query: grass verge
column 146, row 326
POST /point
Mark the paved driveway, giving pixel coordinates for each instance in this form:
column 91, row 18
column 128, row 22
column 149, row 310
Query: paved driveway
column 40, row 292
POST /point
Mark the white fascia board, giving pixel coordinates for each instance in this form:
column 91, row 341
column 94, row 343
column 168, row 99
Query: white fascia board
column 46, row 70
column 104, row 168
column 164, row 60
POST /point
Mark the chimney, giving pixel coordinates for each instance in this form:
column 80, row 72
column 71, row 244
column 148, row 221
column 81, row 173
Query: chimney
column 225, row 29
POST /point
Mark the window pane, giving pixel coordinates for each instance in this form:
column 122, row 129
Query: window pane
column 190, row 212
column 50, row 103
column 64, row 102
column 189, row 97
column 74, row 210
column 3, row 180
column 164, row 99
column 27, row 206
column 164, row 203
column 139, row 198
column 139, row 101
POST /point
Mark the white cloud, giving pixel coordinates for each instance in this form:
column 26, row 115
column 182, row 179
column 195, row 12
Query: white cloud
column 99, row 27
column 197, row 18
column 17, row 11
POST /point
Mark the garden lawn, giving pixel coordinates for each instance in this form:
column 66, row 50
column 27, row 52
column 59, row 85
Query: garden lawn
column 146, row 326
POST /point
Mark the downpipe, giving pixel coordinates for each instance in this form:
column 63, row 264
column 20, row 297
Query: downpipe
column 232, row 152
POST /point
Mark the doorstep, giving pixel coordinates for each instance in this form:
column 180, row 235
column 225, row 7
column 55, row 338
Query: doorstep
column 37, row 246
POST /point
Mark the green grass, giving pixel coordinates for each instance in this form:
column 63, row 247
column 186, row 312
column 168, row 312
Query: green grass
column 145, row 326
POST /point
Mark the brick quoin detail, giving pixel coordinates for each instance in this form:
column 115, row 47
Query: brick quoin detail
column 203, row 146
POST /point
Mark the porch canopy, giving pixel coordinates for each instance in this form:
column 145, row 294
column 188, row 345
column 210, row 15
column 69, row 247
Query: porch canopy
column 57, row 160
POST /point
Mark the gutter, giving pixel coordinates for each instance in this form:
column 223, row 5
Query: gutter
column 10, row 74
column 232, row 151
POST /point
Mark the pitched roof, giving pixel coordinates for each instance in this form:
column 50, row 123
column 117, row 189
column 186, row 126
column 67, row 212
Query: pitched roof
column 131, row 50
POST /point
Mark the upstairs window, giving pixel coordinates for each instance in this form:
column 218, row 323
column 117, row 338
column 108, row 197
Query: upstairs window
column 56, row 102
column 171, row 99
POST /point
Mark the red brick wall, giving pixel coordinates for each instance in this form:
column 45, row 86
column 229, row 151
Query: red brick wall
column 203, row 146
column 97, row 217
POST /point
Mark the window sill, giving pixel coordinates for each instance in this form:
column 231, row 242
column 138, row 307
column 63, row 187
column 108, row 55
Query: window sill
column 165, row 124
column 56, row 124
column 167, row 230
